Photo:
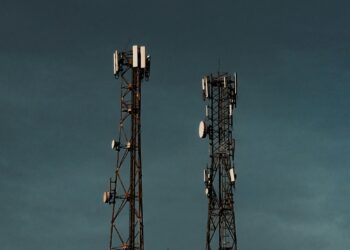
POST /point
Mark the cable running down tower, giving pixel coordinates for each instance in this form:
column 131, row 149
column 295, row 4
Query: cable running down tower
column 125, row 188
column 220, row 96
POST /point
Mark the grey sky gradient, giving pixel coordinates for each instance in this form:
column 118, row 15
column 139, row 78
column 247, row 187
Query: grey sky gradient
column 59, row 111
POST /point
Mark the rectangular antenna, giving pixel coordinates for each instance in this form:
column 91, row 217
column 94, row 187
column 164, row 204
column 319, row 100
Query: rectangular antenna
column 115, row 63
column 232, row 175
column 235, row 77
column 206, row 87
column 135, row 55
column 143, row 57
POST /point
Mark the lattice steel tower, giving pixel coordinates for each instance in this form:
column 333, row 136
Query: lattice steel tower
column 219, row 93
column 125, row 188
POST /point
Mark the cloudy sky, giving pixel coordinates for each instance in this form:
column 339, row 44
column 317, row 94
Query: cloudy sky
column 59, row 111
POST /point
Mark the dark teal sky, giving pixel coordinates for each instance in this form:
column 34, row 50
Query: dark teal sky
column 59, row 106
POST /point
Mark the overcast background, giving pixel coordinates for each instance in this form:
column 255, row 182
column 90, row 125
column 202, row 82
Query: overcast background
column 59, row 107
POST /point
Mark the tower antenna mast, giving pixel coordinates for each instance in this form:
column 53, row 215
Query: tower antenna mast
column 125, row 188
column 219, row 93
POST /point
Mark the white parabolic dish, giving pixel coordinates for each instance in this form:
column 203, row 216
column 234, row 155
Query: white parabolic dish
column 114, row 144
column 106, row 197
column 202, row 130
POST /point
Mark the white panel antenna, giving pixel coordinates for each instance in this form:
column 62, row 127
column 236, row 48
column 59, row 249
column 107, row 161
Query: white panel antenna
column 235, row 78
column 135, row 55
column 232, row 175
column 206, row 88
column 143, row 56
column 205, row 176
column 115, row 63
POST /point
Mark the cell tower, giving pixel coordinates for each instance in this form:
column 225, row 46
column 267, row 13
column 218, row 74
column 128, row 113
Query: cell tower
column 219, row 93
column 125, row 189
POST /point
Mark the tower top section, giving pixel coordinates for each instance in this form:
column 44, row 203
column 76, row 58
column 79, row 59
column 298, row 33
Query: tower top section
column 135, row 58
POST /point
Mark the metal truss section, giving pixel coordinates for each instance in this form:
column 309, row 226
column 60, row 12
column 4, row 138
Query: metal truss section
column 125, row 188
column 220, row 95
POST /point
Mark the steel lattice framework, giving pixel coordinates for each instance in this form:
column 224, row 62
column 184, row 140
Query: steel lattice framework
column 125, row 189
column 219, row 93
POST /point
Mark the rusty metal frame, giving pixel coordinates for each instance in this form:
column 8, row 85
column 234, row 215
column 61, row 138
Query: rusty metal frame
column 126, row 185
column 221, row 228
